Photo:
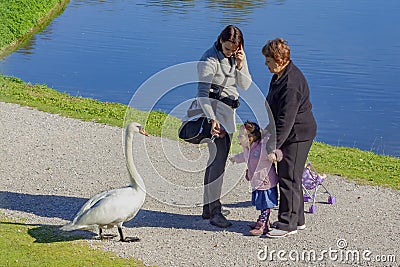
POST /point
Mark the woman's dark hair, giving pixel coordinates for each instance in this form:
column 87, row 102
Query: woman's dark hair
column 230, row 33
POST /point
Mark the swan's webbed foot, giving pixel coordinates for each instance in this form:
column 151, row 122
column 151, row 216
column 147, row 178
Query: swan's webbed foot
column 126, row 239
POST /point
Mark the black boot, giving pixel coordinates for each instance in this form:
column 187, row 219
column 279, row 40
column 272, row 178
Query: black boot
column 207, row 214
column 217, row 218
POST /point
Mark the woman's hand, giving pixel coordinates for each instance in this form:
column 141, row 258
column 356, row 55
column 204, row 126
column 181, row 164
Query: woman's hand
column 275, row 156
column 239, row 55
column 215, row 128
column 272, row 157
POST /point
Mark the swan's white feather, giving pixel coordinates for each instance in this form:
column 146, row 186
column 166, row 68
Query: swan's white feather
column 114, row 207
column 108, row 209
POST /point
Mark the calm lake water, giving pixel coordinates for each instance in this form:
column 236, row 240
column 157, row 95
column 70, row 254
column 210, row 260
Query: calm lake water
column 348, row 50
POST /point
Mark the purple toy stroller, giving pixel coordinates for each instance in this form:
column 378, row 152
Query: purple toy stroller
column 311, row 183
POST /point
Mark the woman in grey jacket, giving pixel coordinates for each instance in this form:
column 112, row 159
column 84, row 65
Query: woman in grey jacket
column 221, row 70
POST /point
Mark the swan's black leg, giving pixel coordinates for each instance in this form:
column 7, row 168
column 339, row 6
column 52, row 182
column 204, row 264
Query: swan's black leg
column 126, row 239
column 100, row 233
column 104, row 236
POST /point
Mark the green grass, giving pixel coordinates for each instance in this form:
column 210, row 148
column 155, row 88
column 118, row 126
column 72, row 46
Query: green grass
column 362, row 166
column 21, row 18
column 14, row 90
column 34, row 245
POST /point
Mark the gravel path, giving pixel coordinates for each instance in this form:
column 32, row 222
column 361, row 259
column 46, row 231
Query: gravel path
column 50, row 165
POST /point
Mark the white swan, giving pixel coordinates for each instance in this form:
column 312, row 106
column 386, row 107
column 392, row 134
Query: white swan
column 114, row 207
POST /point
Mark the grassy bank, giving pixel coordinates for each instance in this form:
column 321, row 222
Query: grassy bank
column 34, row 245
column 361, row 166
column 22, row 18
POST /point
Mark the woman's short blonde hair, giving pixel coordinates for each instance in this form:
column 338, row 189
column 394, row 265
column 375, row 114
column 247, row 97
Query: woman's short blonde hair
column 278, row 49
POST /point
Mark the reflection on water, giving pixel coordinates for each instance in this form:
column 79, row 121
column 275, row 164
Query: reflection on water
column 348, row 51
column 228, row 11
column 78, row 3
column 29, row 45
column 235, row 11
column 172, row 7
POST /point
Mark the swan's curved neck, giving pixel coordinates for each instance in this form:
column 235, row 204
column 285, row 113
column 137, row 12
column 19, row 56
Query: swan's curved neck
column 136, row 180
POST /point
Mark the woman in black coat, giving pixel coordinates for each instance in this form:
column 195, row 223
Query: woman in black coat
column 295, row 128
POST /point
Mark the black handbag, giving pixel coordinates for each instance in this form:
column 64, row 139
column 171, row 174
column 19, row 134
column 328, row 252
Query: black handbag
column 195, row 131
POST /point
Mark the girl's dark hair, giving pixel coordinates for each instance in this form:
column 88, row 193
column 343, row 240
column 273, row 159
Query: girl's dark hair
column 230, row 33
column 254, row 129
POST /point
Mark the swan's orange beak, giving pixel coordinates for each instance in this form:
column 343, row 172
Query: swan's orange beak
column 143, row 131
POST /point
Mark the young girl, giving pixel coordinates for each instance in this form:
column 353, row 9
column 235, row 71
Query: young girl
column 260, row 172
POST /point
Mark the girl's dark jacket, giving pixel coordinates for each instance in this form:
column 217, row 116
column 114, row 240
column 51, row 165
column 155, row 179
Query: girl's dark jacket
column 289, row 101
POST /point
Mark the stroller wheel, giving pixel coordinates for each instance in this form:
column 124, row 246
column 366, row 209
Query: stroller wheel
column 306, row 198
column 312, row 209
column 332, row 200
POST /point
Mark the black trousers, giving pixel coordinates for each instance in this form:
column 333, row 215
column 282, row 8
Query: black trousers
column 214, row 174
column 290, row 170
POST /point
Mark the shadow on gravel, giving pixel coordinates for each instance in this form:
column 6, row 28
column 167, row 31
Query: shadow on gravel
column 64, row 207
column 42, row 205
column 242, row 204
column 162, row 219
